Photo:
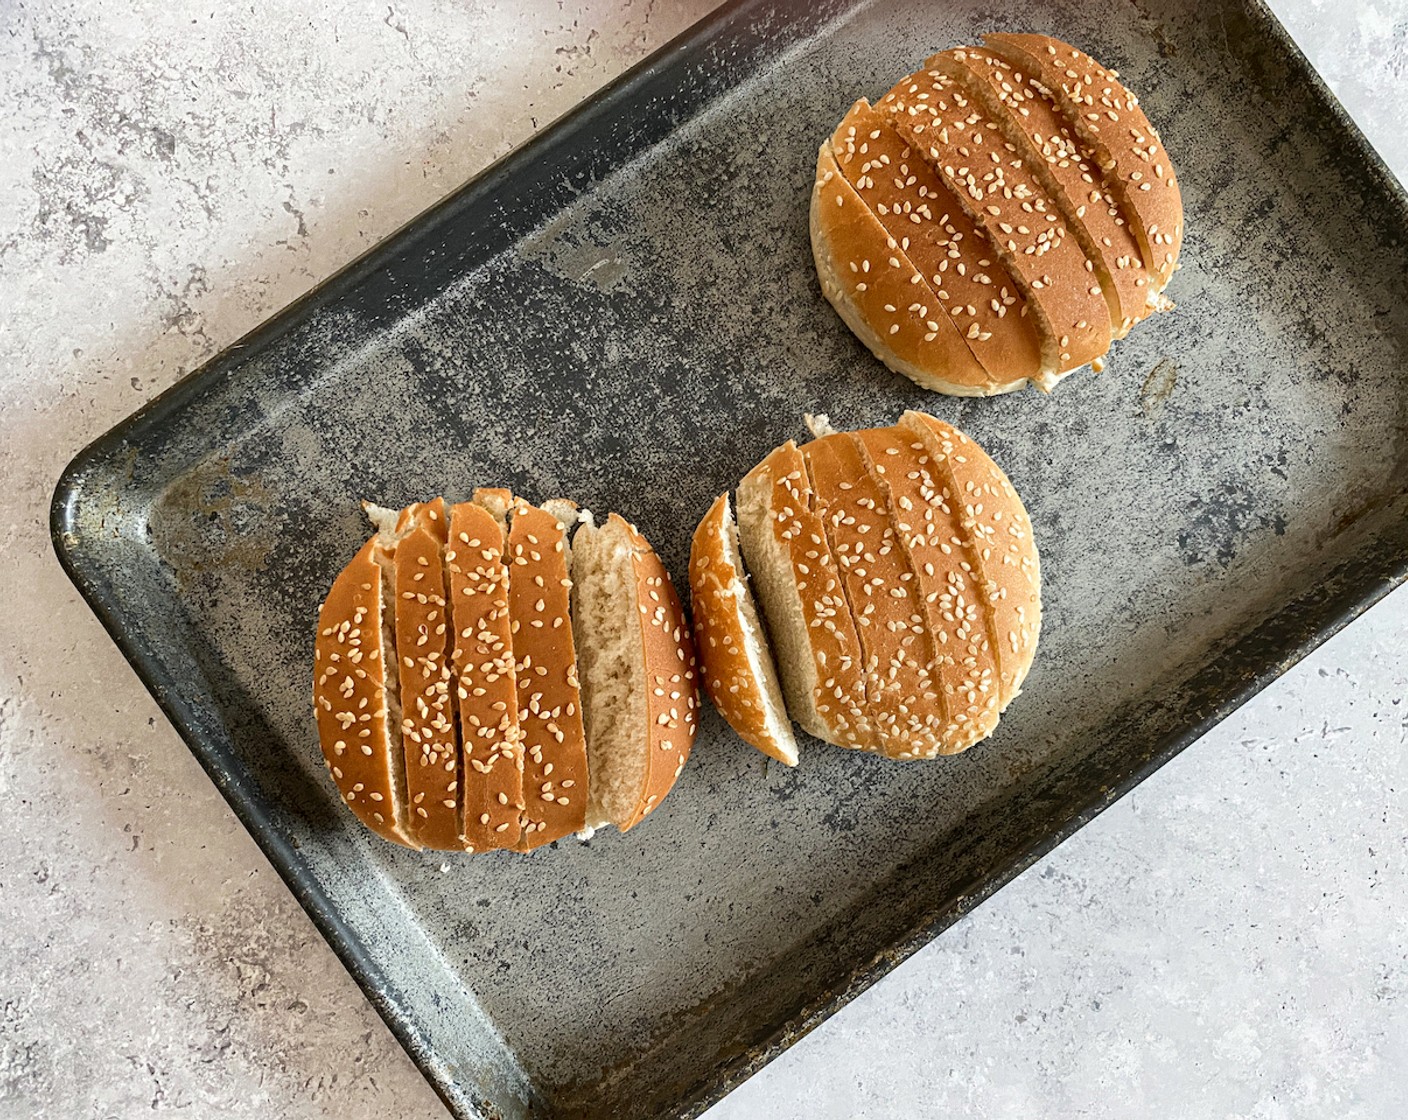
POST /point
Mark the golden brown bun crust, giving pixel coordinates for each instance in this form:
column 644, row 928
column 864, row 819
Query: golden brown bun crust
column 720, row 641
column 1002, row 545
column 671, row 676
column 1107, row 117
column 927, row 523
column 1046, row 139
column 349, row 697
column 901, row 690
column 878, row 292
column 958, row 138
column 958, row 264
column 549, row 698
column 492, row 782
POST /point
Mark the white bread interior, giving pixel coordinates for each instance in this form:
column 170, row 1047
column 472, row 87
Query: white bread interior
column 388, row 535
column 611, row 669
column 775, row 582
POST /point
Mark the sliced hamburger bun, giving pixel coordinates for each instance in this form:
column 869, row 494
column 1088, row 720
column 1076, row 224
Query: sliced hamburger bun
column 467, row 615
column 1020, row 179
column 735, row 662
column 1002, row 195
column 899, row 579
column 638, row 672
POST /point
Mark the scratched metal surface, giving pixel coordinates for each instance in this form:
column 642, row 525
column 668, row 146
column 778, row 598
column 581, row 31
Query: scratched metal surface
column 626, row 313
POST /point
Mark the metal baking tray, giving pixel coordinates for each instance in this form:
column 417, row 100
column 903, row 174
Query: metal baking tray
column 625, row 311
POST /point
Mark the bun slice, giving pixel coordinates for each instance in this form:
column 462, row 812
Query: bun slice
column 491, row 798
column 549, row 698
column 740, row 677
column 639, row 679
column 354, row 699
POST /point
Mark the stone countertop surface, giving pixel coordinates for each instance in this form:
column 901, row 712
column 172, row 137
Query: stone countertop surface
column 1229, row 940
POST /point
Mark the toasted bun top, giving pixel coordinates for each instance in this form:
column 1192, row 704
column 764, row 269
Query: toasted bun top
column 1107, row 116
column 349, row 699
column 735, row 663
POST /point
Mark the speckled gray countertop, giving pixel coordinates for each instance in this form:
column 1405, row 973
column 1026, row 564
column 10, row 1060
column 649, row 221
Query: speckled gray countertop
column 1254, row 892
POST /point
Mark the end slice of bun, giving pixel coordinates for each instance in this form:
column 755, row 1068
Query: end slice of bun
column 549, row 697
column 799, row 589
column 491, row 792
column 735, row 660
column 875, row 288
column 360, row 735
column 639, row 678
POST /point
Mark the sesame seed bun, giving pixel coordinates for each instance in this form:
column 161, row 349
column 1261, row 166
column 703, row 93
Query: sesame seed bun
column 491, row 800
column 899, row 578
column 638, row 671
column 468, row 615
column 1032, row 122
column 554, row 741
column 1019, row 196
column 967, row 279
column 735, row 663
column 1108, row 119
column 360, row 740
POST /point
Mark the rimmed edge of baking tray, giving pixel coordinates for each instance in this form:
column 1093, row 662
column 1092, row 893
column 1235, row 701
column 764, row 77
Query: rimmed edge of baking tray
column 1294, row 631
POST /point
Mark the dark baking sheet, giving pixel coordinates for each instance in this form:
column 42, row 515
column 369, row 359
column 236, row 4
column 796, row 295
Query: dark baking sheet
column 625, row 311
